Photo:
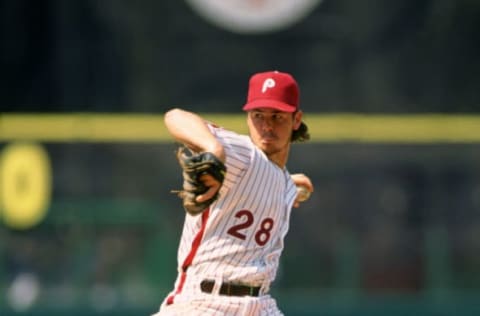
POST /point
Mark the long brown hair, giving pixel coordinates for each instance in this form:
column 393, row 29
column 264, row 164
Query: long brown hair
column 301, row 134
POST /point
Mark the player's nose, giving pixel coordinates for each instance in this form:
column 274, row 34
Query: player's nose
column 267, row 125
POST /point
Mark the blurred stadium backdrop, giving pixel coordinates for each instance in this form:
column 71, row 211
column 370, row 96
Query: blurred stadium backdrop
column 88, row 225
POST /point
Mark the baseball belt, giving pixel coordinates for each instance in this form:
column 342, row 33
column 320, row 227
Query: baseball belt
column 230, row 289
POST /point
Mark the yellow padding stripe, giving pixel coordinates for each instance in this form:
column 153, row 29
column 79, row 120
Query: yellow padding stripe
column 324, row 128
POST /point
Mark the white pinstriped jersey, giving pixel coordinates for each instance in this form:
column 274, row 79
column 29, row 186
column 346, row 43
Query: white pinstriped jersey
column 240, row 238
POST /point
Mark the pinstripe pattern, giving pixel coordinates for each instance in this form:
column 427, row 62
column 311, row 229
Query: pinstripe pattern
column 258, row 194
column 205, row 304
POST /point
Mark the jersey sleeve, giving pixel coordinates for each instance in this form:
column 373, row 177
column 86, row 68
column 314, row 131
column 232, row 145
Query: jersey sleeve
column 238, row 152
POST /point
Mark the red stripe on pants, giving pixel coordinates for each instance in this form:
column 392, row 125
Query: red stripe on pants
column 191, row 255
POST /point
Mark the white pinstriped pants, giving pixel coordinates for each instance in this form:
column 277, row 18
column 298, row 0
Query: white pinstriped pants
column 219, row 305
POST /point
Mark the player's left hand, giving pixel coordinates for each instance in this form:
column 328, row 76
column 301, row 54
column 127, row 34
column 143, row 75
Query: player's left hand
column 301, row 179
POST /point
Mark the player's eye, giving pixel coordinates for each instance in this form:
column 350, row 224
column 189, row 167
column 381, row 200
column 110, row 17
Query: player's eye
column 277, row 117
column 257, row 115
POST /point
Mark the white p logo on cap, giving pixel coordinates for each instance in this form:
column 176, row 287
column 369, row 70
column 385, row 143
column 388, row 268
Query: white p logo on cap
column 268, row 83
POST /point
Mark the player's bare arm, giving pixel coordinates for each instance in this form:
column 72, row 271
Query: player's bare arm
column 191, row 130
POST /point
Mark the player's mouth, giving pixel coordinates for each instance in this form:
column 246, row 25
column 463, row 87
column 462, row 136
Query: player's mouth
column 268, row 138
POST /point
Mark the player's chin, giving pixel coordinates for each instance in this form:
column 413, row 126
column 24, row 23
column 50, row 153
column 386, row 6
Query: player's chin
column 269, row 142
column 268, row 148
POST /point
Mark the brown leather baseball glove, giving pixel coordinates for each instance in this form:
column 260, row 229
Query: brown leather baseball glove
column 194, row 166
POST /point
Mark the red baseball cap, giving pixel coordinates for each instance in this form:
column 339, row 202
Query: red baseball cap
column 272, row 89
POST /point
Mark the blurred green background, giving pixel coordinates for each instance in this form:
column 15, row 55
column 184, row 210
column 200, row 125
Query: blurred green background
column 88, row 225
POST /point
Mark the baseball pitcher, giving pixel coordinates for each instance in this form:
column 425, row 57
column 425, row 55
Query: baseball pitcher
column 238, row 196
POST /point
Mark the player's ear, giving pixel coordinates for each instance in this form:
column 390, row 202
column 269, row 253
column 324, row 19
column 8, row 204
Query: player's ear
column 297, row 119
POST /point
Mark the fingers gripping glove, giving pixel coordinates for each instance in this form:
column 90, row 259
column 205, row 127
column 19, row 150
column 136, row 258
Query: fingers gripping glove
column 194, row 166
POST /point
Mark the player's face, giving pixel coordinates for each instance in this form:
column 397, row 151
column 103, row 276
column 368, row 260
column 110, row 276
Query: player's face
column 271, row 130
